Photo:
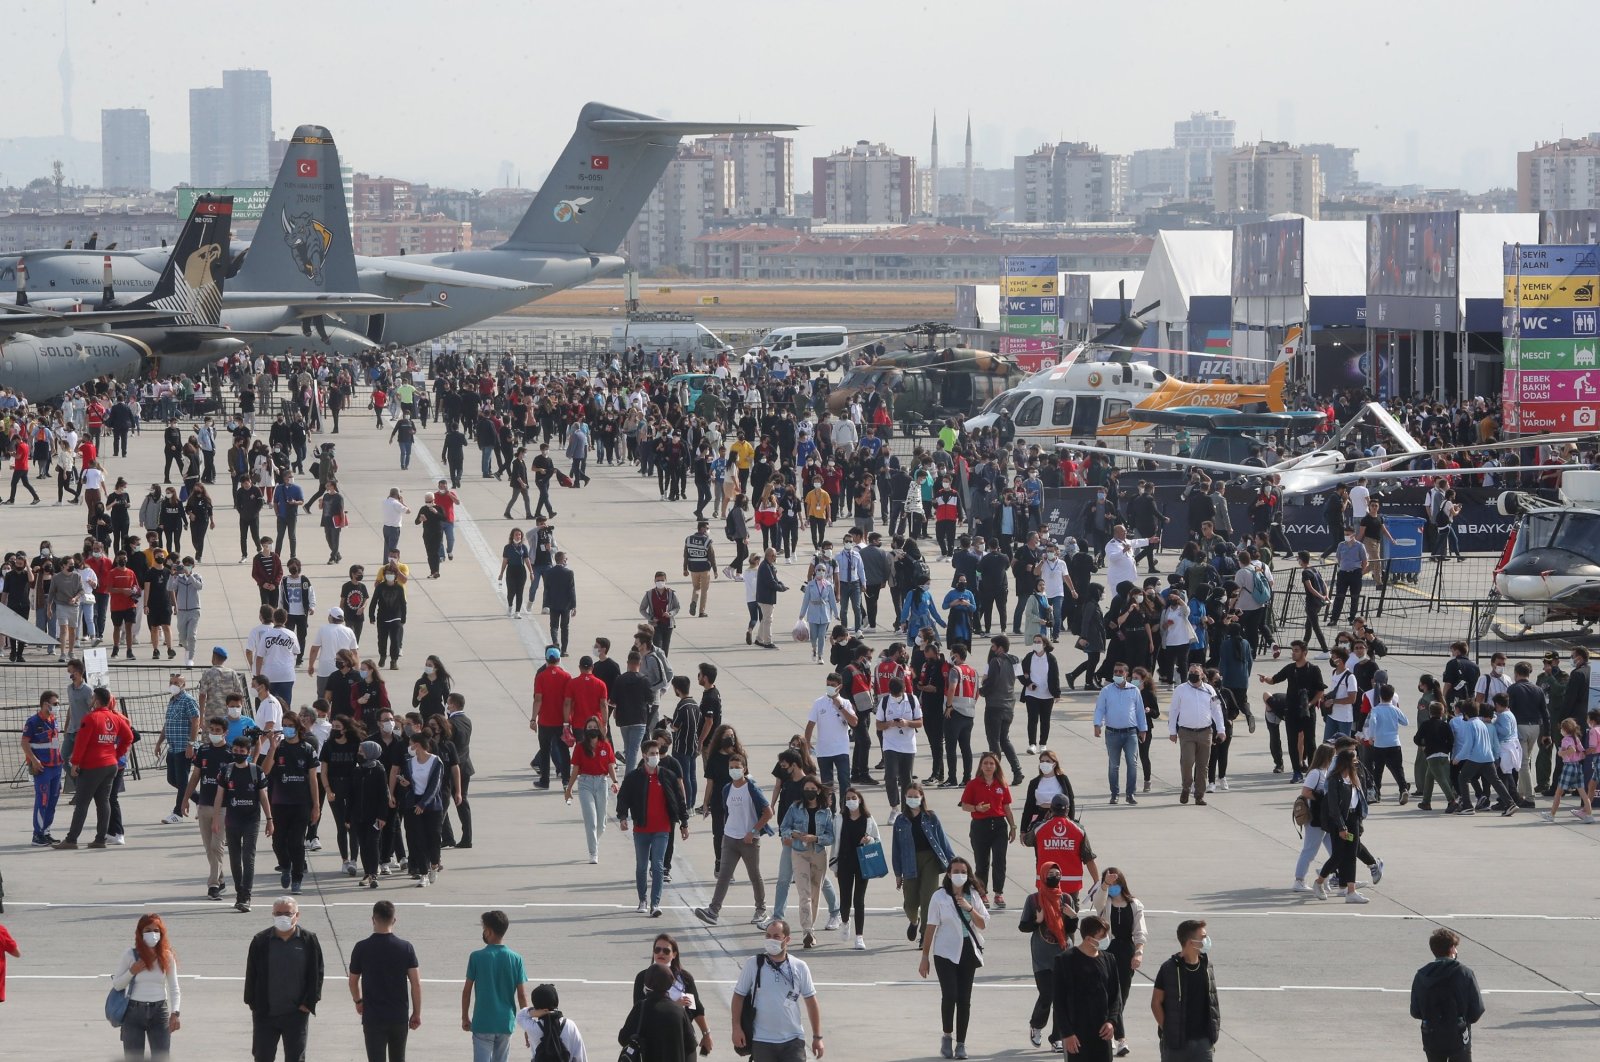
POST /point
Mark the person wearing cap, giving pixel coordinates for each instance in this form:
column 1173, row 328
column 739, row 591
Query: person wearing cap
column 542, row 1017
column 699, row 567
column 1060, row 840
column 332, row 636
column 552, row 716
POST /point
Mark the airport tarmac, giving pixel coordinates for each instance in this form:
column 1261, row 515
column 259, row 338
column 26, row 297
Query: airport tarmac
column 1298, row 977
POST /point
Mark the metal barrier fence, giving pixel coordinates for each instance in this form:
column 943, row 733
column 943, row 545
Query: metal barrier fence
column 140, row 690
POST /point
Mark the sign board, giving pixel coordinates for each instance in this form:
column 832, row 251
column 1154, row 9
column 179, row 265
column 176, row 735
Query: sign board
column 1030, row 303
column 1413, row 276
column 1269, row 259
column 249, row 204
column 1551, row 381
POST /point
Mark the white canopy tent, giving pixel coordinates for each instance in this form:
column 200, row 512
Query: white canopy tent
column 1184, row 265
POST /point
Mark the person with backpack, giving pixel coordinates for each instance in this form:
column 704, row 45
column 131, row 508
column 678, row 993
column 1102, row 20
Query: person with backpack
column 1446, row 1000
column 1316, row 591
column 1254, row 598
column 551, row 1035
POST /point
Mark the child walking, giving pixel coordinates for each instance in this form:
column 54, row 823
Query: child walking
column 1572, row 753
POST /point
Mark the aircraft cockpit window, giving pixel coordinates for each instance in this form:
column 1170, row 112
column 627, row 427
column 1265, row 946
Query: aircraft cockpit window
column 1061, row 413
column 1538, row 532
column 1028, row 415
column 1578, row 533
column 1159, row 376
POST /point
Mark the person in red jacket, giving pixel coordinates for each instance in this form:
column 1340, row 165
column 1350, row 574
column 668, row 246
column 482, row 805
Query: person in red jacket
column 104, row 737
column 19, row 471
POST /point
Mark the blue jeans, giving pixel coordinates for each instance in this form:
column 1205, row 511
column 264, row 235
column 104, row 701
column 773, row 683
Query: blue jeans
column 491, row 1047
column 486, row 453
column 1123, row 746
column 1058, row 607
column 284, row 692
column 1331, row 728
column 405, row 455
column 539, row 571
column 632, row 738
column 835, row 773
column 450, row 537
column 850, row 596
column 819, row 637
column 649, row 849
column 686, row 770
column 391, row 541
column 592, row 798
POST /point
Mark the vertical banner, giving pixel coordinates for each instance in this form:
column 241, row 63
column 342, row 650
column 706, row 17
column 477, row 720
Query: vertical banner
column 1413, row 275
column 1031, row 310
column 1551, row 324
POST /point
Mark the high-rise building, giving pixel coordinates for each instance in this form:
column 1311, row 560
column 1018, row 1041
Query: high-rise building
column 1161, row 168
column 125, row 149
column 865, row 184
column 1205, row 134
column 1337, row 166
column 230, row 130
column 1268, row 178
column 1070, row 182
column 249, row 101
column 763, row 170
column 696, row 187
column 208, row 140
column 1563, row 175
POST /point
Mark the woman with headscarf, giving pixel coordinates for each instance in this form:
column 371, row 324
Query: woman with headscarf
column 431, row 517
column 819, row 607
column 1049, row 917
column 1091, row 632
column 148, row 973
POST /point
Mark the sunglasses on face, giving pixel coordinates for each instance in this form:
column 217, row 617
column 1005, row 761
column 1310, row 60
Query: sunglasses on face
column 665, row 951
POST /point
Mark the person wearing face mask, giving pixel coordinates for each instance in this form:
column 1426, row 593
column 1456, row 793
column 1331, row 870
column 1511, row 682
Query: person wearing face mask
column 367, row 811
column 594, row 765
column 242, row 797
column 179, row 732
column 338, row 757
column 282, row 983
column 1088, row 995
column 1050, row 920
column 807, row 831
column 432, row 688
column 1188, row 1015
column 416, row 791
column 653, row 800
column 856, row 828
column 296, row 792
column 1194, row 721
column 1352, row 564
column 210, row 761
column 918, row 856
column 954, row 942
column 775, row 984
column 1119, row 714
column 1117, row 907
column 1041, row 685
column 148, row 973
column 387, row 612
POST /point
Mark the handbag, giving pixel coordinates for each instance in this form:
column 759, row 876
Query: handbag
column 341, row 520
column 870, row 860
column 631, row 1051
column 117, row 1004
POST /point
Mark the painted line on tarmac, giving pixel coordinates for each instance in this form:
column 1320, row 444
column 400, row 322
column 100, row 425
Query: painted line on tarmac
column 537, row 977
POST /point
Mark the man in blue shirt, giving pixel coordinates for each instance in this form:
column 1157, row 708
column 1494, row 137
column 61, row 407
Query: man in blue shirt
column 178, row 734
column 41, row 744
column 497, row 975
column 1383, row 731
column 1119, row 714
column 1352, row 565
column 286, row 503
column 1475, row 751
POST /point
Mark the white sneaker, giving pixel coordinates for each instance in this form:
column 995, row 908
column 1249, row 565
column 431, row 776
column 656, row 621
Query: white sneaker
column 116, row 838
column 1033, row 750
column 833, row 921
column 1355, row 897
column 172, row 818
column 594, row 859
column 314, row 845
column 643, row 908
column 1300, row 885
column 1224, row 785
column 423, row 883
column 861, row 943
column 1377, row 872
column 1211, row 787
column 844, row 934
column 433, row 876
column 1321, row 889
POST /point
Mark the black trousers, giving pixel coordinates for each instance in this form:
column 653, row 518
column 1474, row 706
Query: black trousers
column 1299, row 724
column 289, row 823
column 267, row 1029
column 989, row 838
column 422, row 836
column 95, row 787
column 241, row 834
column 364, row 843
column 997, row 728
column 385, row 1043
column 1045, row 982
column 1038, row 718
column 1394, row 760
column 933, row 730
column 1346, row 583
column 955, row 991
column 853, row 895
column 390, row 635
column 249, row 536
column 958, row 734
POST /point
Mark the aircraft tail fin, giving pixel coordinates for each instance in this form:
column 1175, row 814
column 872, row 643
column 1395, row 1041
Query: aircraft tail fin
column 191, row 284
column 1278, row 378
column 303, row 242
column 604, row 175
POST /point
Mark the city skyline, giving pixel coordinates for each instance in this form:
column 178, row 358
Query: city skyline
column 496, row 101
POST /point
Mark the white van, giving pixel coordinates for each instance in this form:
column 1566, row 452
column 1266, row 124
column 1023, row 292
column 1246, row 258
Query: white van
column 807, row 345
column 685, row 336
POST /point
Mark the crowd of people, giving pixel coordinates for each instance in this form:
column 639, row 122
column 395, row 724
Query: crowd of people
column 908, row 663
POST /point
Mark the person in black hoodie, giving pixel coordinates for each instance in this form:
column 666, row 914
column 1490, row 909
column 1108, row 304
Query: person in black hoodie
column 1435, row 738
column 1088, row 995
column 1445, row 998
column 367, row 807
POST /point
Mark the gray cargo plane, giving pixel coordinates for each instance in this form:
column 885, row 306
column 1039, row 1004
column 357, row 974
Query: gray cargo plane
column 569, row 235
column 44, row 352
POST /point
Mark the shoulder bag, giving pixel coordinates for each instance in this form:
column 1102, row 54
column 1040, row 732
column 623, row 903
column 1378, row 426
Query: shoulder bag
column 117, row 1003
column 747, row 1016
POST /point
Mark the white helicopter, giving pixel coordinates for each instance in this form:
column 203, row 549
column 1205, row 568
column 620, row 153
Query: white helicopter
column 1550, row 570
column 1326, row 468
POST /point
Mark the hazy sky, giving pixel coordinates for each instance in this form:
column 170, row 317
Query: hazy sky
column 1430, row 91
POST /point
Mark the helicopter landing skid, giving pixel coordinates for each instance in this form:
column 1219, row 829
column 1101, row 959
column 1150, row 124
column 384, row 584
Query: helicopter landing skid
column 1533, row 634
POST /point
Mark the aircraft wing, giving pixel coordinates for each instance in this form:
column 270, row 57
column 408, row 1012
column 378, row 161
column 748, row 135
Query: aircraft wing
column 1389, row 460
column 11, row 307
column 418, row 275
column 647, row 126
column 1222, row 418
column 205, row 331
column 33, row 323
column 1396, row 473
column 301, row 304
column 1183, row 462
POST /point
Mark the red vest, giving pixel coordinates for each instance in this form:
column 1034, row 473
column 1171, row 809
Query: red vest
column 1060, row 841
column 965, row 681
column 884, row 672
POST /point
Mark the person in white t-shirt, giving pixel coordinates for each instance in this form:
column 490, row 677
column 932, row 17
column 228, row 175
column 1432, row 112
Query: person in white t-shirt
column 1359, row 497
column 899, row 717
column 333, row 636
column 280, row 650
column 831, row 719
column 268, row 716
column 1342, row 694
